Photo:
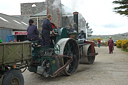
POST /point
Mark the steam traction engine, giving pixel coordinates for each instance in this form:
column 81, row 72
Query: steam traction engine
column 67, row 50
column 62, row 57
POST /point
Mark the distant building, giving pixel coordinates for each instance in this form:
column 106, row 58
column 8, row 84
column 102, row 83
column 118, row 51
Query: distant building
column 10, row 25
column 62, row 16
column 32, row 8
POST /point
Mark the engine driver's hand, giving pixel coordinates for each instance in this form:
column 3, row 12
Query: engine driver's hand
column 55, row 33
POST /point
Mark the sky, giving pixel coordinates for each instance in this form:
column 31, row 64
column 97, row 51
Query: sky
column 98, row 13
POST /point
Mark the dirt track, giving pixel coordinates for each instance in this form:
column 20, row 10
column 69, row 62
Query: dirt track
column 108, row 69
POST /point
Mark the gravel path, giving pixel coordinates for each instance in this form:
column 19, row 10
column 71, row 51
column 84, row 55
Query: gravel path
column 108, row 69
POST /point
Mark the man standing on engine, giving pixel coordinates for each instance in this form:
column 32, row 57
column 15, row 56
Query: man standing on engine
column 46, row 28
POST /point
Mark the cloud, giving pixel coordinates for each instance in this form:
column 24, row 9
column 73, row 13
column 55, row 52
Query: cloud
column 100, row 16
column 9, row 7
column 101, row 30
column 113, row 25
column 13, row 7
column 98, row 13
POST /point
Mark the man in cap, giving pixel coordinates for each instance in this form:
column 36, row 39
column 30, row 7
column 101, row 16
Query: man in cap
column 33, row 33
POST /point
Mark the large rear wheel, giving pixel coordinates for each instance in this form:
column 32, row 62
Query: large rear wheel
column 70, row 48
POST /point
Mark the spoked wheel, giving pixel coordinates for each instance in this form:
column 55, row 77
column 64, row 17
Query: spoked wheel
column 70, row 48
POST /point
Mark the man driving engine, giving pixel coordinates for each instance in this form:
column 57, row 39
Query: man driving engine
column 46, row 28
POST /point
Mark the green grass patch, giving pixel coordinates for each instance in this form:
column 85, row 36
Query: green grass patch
column 124, row 50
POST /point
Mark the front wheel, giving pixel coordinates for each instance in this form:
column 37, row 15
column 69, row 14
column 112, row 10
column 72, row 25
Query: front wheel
column 13, row 77
column 85, row 59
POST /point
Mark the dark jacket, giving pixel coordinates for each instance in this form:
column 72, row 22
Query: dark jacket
column 32, row 32
column 46, row 27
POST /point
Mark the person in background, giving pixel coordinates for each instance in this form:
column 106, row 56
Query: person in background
column 33, row 33
column 1, row 40
column 10, row 41
column 99, row 42
column 110, row 44
column 46, row 28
